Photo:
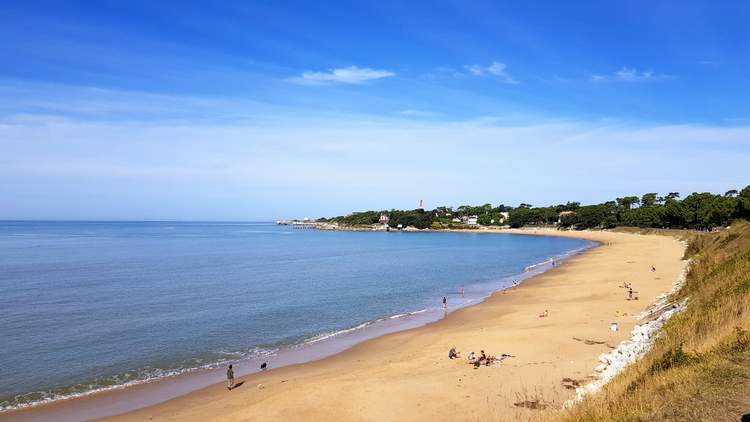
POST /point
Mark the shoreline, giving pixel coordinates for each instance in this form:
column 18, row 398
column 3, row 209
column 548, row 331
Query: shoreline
column 110, row 401
column 142, row 393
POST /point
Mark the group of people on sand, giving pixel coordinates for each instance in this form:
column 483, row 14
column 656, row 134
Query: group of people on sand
column 632, row 294
column 477, row 360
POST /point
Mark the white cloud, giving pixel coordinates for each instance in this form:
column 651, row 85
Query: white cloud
column 419, row 113
column 632, row 74
column 495, row 69
column 628, row 74
column 54, row 169
column 346, row 75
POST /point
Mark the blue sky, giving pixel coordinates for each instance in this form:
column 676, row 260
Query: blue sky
column 260, row 110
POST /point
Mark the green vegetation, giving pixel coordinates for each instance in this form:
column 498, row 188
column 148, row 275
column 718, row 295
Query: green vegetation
column 439, row 218
column 698, row 211
column 699, row 367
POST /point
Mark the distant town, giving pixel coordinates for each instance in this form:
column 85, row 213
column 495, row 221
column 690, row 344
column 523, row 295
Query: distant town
column 698, row 211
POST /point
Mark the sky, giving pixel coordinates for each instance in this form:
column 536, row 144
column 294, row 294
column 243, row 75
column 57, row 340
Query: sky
column 270, row 109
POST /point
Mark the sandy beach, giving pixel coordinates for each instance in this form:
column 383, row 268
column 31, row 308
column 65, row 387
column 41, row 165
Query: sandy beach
column 408, row 376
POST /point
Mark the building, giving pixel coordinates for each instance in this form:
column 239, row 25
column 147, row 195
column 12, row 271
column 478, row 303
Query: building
column 384, row 219
column 564, row 214
column 472, row 220
column 502, row 218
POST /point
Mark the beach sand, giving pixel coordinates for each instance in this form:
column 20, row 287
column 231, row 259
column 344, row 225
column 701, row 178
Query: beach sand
column 407, row 376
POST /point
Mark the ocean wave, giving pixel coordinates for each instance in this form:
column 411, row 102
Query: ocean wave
column 557, row 258
column 148, row 374
column 127, row 379
column 330, row 334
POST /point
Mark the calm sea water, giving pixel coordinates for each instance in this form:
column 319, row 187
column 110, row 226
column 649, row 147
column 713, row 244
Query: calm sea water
column 89, row 305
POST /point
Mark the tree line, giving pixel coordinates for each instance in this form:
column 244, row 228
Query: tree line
column 700, row 211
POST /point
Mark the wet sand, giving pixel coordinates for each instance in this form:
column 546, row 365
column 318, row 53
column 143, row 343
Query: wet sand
column 408, row 376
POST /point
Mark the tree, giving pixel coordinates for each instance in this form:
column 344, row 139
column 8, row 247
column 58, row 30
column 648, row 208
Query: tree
column 674, row 213
column 705, row 210
column 519, row 217
column 649, row 199
column 596, row 216
column 568, row 220
column 626, row 202
column 502, row 208
column 463, row 210
column 743, row 204
column 542, row 215
column 569, row 206
column 698, row 210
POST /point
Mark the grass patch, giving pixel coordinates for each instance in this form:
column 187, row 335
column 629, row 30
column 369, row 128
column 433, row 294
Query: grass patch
column 674, row 358
column 743, row 287
column 723, row 242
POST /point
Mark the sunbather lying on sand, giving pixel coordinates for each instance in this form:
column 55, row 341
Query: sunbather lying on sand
column 544, row 314
column 488, row 360
column 482, row 359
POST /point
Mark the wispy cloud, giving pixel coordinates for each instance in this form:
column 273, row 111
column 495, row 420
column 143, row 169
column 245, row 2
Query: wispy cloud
column 331, row 167
column 419, row 113
column 495, row 69
column 345, row 75
column 628, row 74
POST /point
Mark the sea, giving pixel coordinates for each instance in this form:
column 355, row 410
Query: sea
column 92, row 306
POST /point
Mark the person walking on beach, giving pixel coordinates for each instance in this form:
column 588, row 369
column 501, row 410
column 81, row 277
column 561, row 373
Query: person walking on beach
column 445, row 303
column 230, row 377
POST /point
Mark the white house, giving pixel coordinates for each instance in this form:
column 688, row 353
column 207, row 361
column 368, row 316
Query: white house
column 472, row 220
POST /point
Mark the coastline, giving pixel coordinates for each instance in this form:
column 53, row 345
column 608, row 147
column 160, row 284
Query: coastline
column 168, row 384
column 114, row 402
